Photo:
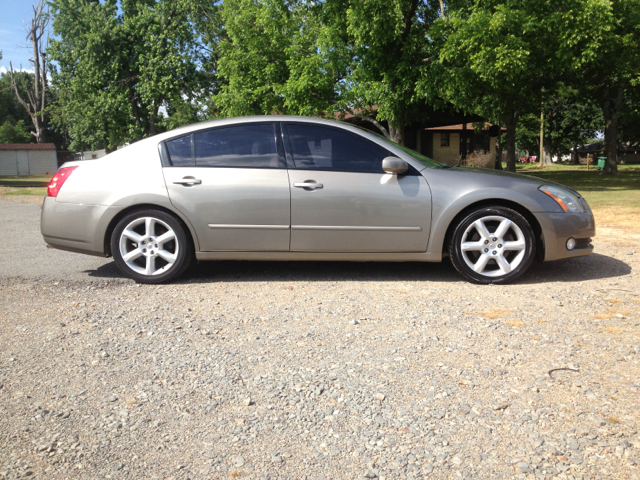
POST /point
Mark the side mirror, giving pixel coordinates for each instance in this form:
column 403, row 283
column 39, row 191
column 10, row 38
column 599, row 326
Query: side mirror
column 394, row 165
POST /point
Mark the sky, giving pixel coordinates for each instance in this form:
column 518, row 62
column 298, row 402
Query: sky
column 13, row 33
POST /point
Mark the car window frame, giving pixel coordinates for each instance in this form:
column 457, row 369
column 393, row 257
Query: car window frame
column 282, row 161
column 413, row 171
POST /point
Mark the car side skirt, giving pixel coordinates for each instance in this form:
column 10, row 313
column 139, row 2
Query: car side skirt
column 326, row 256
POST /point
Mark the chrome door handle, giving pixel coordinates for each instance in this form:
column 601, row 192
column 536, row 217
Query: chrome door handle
column 308, row 185
column 188, row 181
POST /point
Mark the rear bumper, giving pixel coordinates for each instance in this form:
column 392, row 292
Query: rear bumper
column 76, row 227
column 557, row 228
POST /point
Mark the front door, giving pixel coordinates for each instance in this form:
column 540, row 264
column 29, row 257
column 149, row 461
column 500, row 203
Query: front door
column 232, row 184
column 342, row 200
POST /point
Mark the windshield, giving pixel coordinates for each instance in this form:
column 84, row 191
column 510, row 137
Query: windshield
column 426, row 161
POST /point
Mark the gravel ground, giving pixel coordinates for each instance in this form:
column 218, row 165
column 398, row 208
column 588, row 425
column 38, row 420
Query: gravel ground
column 323, row 370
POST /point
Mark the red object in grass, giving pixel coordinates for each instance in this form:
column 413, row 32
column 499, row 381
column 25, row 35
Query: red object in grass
column 58, row 180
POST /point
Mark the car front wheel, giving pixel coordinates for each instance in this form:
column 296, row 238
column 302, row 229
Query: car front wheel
column 151, row 246
column 492, row 245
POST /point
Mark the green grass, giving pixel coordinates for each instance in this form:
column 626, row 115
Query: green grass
column 25, row 181
column 622, row 190
column 39, row 191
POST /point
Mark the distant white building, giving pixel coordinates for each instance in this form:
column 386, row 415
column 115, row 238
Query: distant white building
column 28, row 159
column 90, row 154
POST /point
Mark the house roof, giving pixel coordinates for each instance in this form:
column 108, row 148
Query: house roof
column 27, row 146
column 459, row 127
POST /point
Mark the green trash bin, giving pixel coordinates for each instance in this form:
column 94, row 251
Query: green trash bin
column 601, row 162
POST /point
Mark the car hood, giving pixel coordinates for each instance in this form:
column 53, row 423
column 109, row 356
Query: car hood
column 518, row 176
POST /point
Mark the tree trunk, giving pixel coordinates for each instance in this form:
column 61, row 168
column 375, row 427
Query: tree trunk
column 396, row 133
column 547, row 158
column 511, row 122
column 498, row 164
column 610, row 110
column 574, row 155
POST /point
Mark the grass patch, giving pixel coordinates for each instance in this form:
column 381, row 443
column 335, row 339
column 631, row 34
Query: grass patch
column 25, row 180
column 600, row 191
column 37, row 191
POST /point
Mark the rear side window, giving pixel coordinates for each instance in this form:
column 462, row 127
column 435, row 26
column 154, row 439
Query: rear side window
column 248, row 146
column 242, row 146
column 321, row 148
column 181, row 151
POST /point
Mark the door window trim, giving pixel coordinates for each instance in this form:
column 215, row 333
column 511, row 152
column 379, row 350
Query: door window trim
column 166, row 157
column 289, row 151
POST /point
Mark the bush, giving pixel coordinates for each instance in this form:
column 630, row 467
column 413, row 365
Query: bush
column 17, row 133
column 480, row 160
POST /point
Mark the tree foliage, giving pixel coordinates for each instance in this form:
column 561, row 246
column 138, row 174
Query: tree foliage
column 498, row 57
column 119, row 63
column 14, row 132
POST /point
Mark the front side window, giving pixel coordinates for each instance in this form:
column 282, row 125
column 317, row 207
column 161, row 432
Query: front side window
column 323, row 148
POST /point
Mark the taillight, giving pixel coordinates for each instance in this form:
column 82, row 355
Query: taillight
column 58, row 180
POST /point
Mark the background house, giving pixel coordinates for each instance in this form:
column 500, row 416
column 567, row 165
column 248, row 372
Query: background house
column 28, row 159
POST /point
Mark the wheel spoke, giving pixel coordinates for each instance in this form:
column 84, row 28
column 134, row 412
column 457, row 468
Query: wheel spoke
column 151, row 266
column 149, row 226
column 504, row 226
column 131, row 235
column 503, row 264
column 478, row 267
column 132, row 255
column 482, row 230
column 470, row 246
column 168, row 256
column 166, row 237
column 517, row 245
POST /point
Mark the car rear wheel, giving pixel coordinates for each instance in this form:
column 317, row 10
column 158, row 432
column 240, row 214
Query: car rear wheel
column 151, row 246
column 493, row 245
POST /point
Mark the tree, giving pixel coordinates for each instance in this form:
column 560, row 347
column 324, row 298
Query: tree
column 14, row 133
column 120, row 63
column 613, row 71
column 389, row 41
column 495, row 57
column 325, row 58
column 10, row 108
column 36, row 102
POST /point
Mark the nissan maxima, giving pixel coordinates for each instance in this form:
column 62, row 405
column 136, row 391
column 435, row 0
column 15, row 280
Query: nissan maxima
column 295, row 188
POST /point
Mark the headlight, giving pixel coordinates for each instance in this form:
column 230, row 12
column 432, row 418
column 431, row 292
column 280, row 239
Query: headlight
column 567, row 200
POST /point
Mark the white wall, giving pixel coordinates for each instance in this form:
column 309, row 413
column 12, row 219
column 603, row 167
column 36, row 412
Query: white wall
column 8, row 164
column 40, row 162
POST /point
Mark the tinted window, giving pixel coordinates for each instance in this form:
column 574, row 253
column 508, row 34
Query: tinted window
column 252, row 146
column 323, row 148
column 180, row 151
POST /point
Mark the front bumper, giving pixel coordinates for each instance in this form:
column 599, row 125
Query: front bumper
column 76, row 227
column 557, row 228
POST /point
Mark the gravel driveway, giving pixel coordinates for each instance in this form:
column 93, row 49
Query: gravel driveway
column 315, row 370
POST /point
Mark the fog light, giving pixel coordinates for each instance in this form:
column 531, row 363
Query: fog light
column 571, row 244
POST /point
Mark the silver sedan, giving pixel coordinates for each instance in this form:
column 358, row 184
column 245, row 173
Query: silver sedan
column 294, row 188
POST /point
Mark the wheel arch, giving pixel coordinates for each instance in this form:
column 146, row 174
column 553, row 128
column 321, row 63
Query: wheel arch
column 498, row 202
column 143, row 206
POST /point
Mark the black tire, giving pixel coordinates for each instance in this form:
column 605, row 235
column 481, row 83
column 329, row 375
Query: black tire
column 496, row 253
column 166, row 261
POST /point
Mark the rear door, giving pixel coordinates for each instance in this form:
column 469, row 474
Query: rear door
column 232, row 184
column 342, row 200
